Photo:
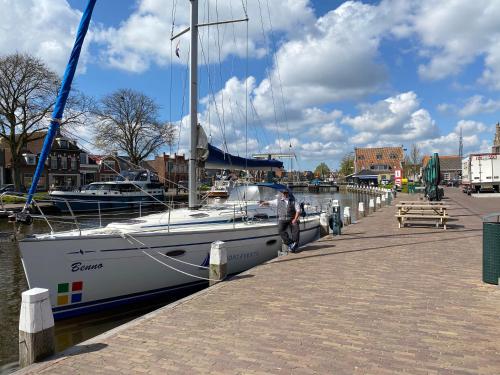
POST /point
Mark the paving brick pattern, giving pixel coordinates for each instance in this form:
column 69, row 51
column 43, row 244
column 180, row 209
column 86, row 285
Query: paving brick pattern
column 377, row 300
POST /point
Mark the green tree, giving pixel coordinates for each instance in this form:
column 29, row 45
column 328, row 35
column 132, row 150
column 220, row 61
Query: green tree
column 347, row 165
column 322, row 170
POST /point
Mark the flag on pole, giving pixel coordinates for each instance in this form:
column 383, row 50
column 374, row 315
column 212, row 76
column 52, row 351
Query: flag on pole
column 177, row 50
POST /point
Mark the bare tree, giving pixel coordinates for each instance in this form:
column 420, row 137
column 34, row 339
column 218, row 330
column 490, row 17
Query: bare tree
column 127, row 120
column 413, row 161
column 28, row 90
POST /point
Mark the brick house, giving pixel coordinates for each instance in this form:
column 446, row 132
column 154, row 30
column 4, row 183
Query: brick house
column 108, row 167
column 450, row 166
column 89, row 169
column 61, row 167
column 172, row 170
column 375, row 164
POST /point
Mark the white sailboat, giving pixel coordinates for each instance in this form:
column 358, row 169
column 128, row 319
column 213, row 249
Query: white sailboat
column 87, row 270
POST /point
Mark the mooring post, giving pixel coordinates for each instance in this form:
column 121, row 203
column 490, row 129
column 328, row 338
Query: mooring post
column 218, row 262
column 347, row 215
column 36, row 327
column 324, row 224
column 371, row 206
column 361, row 209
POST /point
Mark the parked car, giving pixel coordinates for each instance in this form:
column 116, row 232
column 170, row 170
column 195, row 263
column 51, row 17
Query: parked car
column 182, row 185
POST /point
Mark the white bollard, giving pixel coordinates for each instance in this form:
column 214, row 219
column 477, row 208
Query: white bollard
column 218, row 262
column 347, row 215
column 383, row 199
column 371, row 206
column 324, row 226
column 36, row 327
column 361, row 209
column 378, row 201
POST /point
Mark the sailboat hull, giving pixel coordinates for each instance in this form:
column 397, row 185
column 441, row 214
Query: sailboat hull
column 89, row 273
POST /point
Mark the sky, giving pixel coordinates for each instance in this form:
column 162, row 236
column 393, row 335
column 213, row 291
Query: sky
column 321, row 76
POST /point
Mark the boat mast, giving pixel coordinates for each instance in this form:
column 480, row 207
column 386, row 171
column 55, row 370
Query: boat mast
column 193, row 105
column 193, row 95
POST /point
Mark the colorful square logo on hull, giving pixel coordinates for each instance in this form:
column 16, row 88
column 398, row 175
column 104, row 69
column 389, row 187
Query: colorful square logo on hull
column 69, row 293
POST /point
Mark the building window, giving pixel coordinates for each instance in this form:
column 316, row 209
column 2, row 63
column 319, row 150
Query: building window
column 30, row 159
column 393, row 156
column 83, row 158
column 73, row 164
column 64, row 163
column 361, row 157
column 63, row 143
column 28, row 178
column 379, row 156
column 53, row 162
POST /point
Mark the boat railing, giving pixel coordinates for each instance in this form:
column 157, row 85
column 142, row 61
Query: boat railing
column 90, row 219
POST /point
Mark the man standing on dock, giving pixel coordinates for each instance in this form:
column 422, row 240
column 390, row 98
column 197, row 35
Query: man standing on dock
column 288, row 217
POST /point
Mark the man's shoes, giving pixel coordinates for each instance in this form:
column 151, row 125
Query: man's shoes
column 291, row 247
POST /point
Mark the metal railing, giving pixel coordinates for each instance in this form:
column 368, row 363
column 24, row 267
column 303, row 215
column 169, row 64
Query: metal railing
column 101, row 217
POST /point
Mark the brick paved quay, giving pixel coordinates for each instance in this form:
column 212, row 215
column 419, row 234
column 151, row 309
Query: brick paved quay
column 377, row 300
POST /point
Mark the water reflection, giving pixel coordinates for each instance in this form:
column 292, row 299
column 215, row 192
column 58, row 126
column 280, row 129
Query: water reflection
column 72, row 331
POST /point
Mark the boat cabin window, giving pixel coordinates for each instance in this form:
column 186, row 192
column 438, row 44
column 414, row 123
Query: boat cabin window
column 128, row 188
column 99, row 187
column 142, row 176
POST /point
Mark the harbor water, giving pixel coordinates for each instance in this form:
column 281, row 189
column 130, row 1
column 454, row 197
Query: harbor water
column 70, row 332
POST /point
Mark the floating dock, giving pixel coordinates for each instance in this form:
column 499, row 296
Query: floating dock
column 376, row 300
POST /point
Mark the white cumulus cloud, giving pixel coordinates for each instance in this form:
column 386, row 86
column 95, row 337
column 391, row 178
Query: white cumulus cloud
column 43, row 28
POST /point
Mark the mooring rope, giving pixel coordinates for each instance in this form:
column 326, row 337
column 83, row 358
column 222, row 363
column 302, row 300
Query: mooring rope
column 165, row 255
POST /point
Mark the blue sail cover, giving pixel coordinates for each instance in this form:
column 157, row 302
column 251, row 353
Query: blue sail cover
column 218, row 159
column 62, row 97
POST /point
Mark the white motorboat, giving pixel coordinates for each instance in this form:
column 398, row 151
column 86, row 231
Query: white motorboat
column 130, row 190
column 221, row 189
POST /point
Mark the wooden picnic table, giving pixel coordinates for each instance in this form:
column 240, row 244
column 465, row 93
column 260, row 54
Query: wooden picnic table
column 421, row 202
column 406, row 208
column 422, row 211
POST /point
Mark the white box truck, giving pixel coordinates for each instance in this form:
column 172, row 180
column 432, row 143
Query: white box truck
column 481, row 172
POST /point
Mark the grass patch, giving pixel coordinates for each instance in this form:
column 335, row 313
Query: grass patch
column 8, row 199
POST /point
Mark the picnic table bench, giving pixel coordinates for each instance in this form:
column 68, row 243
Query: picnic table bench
column 413, row 203
column 409, row 211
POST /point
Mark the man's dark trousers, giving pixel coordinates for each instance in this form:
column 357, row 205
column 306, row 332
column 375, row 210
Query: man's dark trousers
column 283, row 226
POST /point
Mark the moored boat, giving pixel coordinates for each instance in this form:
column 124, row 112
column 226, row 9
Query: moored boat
column 130, row 190
column 89, row 270
column 221, row 189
